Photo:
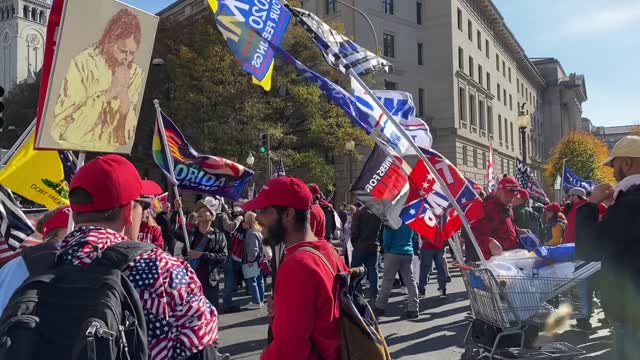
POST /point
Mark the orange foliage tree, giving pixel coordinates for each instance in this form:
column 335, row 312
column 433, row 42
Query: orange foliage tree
column 583, row 154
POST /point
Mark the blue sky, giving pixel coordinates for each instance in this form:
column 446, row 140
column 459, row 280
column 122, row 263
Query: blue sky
column 592, row 37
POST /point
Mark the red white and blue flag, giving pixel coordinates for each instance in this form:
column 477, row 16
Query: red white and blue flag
column 491, row 179
column 427, row 209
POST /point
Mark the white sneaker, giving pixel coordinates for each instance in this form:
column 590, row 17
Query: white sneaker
column 253, row 306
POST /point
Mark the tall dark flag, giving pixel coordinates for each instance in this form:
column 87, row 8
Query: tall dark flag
column 529, row 183
column 383, row 184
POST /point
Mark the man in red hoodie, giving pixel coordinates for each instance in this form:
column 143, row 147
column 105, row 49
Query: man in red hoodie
column 577, row 197
column 496, row 231
column 305, row 315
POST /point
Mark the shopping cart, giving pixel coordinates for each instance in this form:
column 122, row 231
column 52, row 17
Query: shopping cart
column 519, row 305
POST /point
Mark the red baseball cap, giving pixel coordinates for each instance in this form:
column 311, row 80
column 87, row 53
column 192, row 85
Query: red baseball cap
column 112, row 181
column 509, row 182
column 285, row 191
column 59, row 220
column 315, row 189
column 553, row 207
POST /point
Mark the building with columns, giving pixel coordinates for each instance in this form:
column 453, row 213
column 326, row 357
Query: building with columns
column 23, row 27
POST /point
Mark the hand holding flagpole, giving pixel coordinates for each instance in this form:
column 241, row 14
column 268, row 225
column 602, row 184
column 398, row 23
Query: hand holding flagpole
column 163, row 138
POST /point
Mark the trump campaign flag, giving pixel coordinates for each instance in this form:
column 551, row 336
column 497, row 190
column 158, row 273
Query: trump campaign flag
column 249, row 26
column 383, row 184
column 195, row 172
column 427, row 209
column 400, row 105
column 42, row 176
column 571, row 180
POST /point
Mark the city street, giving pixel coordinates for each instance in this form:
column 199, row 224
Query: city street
column 439, row 332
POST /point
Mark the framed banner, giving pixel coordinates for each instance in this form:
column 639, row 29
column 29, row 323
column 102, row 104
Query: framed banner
column 97, row 78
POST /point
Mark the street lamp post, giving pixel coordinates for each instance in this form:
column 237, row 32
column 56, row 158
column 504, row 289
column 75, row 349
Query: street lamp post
column 350, row 147
column 373, row 29
column 523, row 122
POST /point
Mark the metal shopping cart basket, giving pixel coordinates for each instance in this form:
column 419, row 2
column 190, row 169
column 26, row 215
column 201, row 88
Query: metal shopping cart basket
column 517, row 306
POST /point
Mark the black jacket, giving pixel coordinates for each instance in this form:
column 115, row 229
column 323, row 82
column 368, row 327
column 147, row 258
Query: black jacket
column 615, row 241
column 365, row 228
column 215, row 253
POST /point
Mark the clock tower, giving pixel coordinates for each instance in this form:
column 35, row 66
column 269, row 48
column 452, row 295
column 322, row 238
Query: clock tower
column 23, row 27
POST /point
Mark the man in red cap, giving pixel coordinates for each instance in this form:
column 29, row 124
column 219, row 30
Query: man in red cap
column 317, row 220
column 495, row 232
column 305, row 314
column 106, row 197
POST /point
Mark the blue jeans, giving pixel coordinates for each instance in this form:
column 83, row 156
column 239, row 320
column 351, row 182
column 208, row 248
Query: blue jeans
column 427, row 258
column 368, row 259
column 231, row 269
column 626, row 342
column 256, row 288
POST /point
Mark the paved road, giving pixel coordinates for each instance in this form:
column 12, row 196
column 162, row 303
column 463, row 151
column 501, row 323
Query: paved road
column 439, row 332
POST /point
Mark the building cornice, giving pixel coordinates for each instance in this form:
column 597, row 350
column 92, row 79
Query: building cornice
column 502, row 33
column 42, row 4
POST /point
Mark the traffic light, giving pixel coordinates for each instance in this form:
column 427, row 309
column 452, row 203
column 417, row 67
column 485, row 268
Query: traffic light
column 1, row 108
column 264, row 143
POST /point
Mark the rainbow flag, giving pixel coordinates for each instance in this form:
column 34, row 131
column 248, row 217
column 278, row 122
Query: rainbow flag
column 195, row 172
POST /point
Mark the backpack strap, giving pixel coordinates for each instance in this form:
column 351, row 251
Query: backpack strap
column 120, row 255
column 319, row 254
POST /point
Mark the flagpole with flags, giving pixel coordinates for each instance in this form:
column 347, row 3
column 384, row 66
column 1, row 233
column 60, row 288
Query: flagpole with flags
column 163, row 137
column 417, row 149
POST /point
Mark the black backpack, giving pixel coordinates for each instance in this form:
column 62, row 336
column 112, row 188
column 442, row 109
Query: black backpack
column 73, row 312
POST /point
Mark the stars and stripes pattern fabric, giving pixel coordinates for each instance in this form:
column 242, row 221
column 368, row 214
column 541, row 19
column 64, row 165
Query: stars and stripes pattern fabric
column 529, row 183
column 7, row 254
column 280, row 169
column 428, row 210
column 491, row 179
column 15, row 228
column 180, row 320
column 338, row 50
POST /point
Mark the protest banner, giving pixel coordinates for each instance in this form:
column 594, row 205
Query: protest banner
column 96, row 78
column 248, row 26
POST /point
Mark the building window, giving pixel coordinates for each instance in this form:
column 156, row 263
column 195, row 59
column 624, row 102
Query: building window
column 504, row 69
column 488, row 81
column 34, row 14
column 464, row 155
column 506, row 132
column 479, row 38
column 419, row 53
column 510, row 102
column 330, row 6
column 390, row 85
column 500, row 128
column 388, row 6
column 475, row 158
column 420, row 102
column 480, row 73
column 471, row 67
column 509, row 75
column 511, row 130
column 25, row 12
column 518, row 85
column 483, row 125
column 419, row 13
column 490, row 119
column 504, row 96
column 460, row 58
column 389, row 44
column 498, row 86
column 472, row 110
column 462, row 106
column 497, row 62
column 486, row 47
column 470, row 30
column 41, row 17
column 460, row 19
column 484, row 159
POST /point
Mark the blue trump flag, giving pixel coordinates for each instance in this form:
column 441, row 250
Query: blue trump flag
column 571, row 180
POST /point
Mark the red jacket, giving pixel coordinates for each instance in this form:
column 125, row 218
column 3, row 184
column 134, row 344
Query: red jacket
column 497, row 223
column 570, row 232
column 317, row 220
column 151, row 234
column 306, row 308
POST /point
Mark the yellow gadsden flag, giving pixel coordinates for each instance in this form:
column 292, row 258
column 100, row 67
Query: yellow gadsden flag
column 37, row 175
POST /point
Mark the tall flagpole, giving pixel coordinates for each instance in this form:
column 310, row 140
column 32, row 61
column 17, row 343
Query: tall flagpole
column 163, row 139
column 435, row 173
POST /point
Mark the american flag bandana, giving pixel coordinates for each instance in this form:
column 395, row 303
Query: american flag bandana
column 338, row 50
column 180, row 320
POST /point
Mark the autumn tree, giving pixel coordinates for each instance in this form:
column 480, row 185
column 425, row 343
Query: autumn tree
column 222, row 113
column 636, row 130
column 583, row 153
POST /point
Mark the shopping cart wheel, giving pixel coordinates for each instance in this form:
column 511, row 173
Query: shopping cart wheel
column 472, row 354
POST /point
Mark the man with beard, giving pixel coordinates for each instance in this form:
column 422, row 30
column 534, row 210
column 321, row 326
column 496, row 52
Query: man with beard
column 98, row 100
column 305, row 310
